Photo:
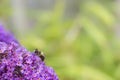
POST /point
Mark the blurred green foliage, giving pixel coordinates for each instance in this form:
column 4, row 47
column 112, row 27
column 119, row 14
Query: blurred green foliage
column 80, row 48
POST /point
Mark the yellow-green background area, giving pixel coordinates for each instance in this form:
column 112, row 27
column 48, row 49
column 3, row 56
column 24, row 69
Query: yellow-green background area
column 82, row 46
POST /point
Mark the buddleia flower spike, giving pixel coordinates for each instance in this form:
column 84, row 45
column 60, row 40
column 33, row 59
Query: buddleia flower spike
column 17, row 63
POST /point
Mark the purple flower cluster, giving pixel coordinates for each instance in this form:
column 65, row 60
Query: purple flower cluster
column 17, row 63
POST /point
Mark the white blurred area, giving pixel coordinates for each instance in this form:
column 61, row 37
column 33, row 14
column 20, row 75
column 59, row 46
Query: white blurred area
column 19, row 16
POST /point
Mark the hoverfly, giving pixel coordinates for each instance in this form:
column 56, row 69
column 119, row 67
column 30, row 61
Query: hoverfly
column 4, row 54
column 17, row 71
column 40, row 54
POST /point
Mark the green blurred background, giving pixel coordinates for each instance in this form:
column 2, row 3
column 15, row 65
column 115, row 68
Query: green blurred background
column 80, row 38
